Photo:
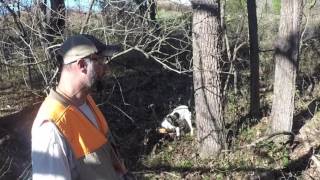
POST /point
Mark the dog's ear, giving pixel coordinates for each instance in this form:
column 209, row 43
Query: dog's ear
column 176, row 115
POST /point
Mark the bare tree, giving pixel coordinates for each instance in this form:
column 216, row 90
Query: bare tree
column 286, row 65
column 33, row 36
column 153, row 8
column 167, row 43
column 24, row 43
column 206, row 77
column 254, row 59
column 56, row 19
column 50, row 19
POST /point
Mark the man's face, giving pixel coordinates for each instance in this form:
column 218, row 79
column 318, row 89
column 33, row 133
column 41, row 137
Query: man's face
column 96, row 71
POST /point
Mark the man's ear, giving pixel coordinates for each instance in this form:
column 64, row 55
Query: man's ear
column 82, row 64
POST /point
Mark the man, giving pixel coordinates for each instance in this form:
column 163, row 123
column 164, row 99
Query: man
column 70, row 136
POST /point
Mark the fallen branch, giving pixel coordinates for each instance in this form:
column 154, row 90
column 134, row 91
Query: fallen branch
column 267, row 137
column 264, row 138
column 171, row 174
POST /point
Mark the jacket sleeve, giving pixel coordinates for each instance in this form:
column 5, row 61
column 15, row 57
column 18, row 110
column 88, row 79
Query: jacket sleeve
column 49, row 154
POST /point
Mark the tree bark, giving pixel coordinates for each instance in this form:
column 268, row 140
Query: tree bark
column 50, row 20
column 153, row 9
column 206, row 78
column 254, row 59
column 286, row 65
column 56, row 20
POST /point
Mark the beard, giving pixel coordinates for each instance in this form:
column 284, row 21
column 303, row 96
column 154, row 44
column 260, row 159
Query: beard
column 98, row 85
column 95, row 81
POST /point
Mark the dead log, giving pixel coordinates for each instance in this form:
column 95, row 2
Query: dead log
column 308, row 138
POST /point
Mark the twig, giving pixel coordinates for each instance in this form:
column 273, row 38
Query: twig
column 132, row 120
column 313, row 4
column 266, row 50
column 171, row 174
column 304, row 29
column 148, row 55
column 23, row 64
column 120, row 88
column 3, row 171
column 25, row 172
column 88, row 16
column 119, row 109
column 5, row 138
column 16, row 19
column 52, row 47
column 54, row 76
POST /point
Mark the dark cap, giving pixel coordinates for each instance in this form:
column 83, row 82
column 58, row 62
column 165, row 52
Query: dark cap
column 83, row 45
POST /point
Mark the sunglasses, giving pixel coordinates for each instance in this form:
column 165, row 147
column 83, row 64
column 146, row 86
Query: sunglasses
column 100, row 59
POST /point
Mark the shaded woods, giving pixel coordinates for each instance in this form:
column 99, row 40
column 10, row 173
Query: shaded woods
column 248, row 70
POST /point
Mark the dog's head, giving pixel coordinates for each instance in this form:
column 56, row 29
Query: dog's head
column 172, row 119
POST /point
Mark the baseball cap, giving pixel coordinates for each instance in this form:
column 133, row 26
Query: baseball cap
column 83, row 45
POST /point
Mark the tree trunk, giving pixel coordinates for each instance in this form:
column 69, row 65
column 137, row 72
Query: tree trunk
column 143, row 6
column 50, row 20
column 254, row 59
column 286, row 65
column 206, row 78
column 153, row 9
column 56, row 20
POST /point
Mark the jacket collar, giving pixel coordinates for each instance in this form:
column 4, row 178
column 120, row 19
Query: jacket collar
column 59, row 97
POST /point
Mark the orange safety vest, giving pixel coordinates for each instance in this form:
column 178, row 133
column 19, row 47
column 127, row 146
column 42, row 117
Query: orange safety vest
column 91, row 146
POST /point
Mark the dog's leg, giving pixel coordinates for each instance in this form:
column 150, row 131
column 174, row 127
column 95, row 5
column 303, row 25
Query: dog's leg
column 191, row 128
column 188, row 119
column 178, row 131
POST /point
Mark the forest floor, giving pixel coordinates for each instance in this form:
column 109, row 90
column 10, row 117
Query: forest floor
column 18, row 106
column 134, row 106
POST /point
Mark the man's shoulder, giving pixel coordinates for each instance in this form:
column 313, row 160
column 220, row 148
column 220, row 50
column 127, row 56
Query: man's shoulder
column 43, row 127
column 51, row 109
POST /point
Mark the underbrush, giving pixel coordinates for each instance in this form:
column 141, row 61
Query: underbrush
column 178, row 159
column 252, row 152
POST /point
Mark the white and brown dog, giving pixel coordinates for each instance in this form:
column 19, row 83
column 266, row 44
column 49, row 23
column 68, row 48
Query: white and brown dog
column 179, row 120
